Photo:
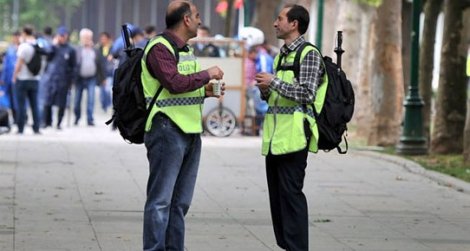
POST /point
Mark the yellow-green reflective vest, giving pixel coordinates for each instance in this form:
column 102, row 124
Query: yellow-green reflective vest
column 468, row 65
column 283, row 127
column 184, row 109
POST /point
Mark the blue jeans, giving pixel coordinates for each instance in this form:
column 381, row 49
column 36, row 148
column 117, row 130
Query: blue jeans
column 82, row 84
column 105, row 93
column 174, row 160
column 27, row 89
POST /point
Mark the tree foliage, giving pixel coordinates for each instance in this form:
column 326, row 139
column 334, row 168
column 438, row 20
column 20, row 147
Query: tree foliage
column 36, row 12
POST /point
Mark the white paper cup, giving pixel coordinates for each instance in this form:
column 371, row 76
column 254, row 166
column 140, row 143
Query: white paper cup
column 217, row 87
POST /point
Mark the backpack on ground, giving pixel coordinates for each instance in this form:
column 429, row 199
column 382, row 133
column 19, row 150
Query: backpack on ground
column 338, row 106
column 129, row 103
column 35, row 64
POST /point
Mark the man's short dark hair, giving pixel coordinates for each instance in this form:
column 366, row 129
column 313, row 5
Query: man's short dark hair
column 106, row 34
column 47, row 31
column 28, row 30
column 149, row 29
column 299, row 13
column 174, row 17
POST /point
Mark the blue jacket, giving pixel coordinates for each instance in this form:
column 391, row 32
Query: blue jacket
column 60, row 73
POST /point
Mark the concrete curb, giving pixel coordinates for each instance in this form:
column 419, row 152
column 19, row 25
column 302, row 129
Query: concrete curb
column 413, row 167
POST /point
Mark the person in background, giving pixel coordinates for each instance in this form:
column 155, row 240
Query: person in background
column 45, row 41
column 104, row 49
column 8, row 68
column 172, row 134
column 149, row 32
column 250, row 73
column 264, row 63
column 288, row 127
column 59, row 75
column 205, row 49
column 90, row 72
column 26, row 82
column 137, row 38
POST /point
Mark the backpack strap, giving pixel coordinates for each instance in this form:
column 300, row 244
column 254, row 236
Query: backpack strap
column 177, row 57
column 154, row 99
column 296, row 66
column 173, row 45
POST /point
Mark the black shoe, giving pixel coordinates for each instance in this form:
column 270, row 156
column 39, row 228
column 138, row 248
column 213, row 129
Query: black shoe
column 91, row 124
column 59, row 127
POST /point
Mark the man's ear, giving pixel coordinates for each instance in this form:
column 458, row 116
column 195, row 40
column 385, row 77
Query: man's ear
column 295, row 24
column 186, row 20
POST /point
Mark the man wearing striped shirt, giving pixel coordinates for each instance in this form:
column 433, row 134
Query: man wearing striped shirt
column 289, row 127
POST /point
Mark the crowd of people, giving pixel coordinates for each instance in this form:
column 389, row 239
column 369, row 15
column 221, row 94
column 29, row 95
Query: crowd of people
column 67, row 71
column 70, row 70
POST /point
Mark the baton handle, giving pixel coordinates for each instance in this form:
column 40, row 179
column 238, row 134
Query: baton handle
column 126, row 37
column 338, row 50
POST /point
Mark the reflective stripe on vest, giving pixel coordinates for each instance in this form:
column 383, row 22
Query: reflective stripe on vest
column 289, row 110
column 184, row 109
column 283, row 127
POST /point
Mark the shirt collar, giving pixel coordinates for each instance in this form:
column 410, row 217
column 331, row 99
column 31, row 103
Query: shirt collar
column 179, row 43
column 285, row 49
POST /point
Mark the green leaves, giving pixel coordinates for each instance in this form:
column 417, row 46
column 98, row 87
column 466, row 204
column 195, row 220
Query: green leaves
column 39, row 13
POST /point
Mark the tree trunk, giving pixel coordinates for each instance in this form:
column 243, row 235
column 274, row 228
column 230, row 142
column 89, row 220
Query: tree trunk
column 386, row 75
column 406, row 15
column 349, row 21
column 228, row 19
column 362, row 109
column 466, row 144
column 426, row 60
column 447, row 136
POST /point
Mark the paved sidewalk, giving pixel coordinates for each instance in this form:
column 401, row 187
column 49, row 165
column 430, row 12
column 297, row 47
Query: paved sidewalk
column 83, row 188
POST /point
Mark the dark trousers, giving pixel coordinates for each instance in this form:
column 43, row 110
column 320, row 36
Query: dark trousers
column 289, row 212
column 47, row 115
column 27, row 90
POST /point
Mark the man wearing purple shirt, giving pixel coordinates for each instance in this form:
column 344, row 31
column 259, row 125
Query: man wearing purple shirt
column 174, row 125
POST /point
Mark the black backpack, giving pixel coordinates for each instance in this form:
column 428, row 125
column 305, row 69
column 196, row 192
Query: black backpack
column 338, row 107
column 129, row 104
column 35, row 64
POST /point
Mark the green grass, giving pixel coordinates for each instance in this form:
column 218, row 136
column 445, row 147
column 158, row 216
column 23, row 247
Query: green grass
column 451, row 164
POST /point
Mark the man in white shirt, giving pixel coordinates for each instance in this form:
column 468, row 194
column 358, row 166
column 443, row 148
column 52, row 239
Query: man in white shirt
column 26, row 83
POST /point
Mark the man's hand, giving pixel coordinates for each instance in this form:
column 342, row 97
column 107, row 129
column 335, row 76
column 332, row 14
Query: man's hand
column 209, row 90
column 215, row 72
column 263, row 80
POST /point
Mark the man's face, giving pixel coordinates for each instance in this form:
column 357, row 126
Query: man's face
column 15, row 39
column 194, row 21
column 282, row 25
column 104, row 39
column 62, row 39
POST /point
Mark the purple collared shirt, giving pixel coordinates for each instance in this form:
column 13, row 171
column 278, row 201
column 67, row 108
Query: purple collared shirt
column 162, row 64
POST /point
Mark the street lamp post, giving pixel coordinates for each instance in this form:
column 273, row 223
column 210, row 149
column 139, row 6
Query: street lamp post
column 319, row 35
column 412, row 140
